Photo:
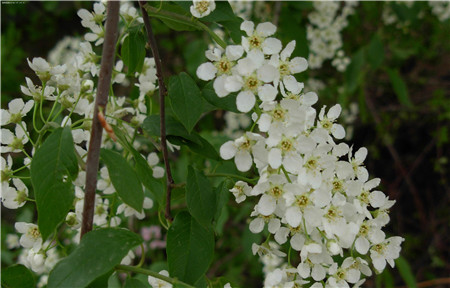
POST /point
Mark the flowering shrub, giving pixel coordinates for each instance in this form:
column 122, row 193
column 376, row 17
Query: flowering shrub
column 316, row 213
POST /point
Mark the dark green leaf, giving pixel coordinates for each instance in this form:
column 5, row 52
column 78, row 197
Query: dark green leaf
column 222, row 196
column 375, row 52
column 226, row 103
column 354, row 73
column 133, row 51
column 194, row 53
column 399, row 86
column 233, row 27
column 200, row 197
column 405, row 271
column 101, row 281
column 190, row 248
column 124, row 179
column 134, row 283
column 173, row 128
column 223, row 12
column 99, row 251
column 53, row 169
column 186, row 100
column 177, row 134
column 17, row 276
column 142, row 168
column 172, row 22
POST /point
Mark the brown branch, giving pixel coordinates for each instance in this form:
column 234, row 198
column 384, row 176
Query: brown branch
column 162, row 109
column 104, row 82
column 399, row 164
column 429, row 283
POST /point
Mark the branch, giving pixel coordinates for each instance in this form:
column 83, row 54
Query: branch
column 104, row 82
column 162, row 108
column 434, row 282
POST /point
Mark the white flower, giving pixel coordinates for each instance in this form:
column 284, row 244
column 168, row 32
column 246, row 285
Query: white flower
column 240, row 191
column 104, row 182
column 259, row 38
column 153, row 160
column 36, row 91
column 385, row 251
column 14, row 198
column 17, row 110
column 14, row 142
column 89, row 19
column 129, row 211
column 155, row 282
column 202, row 8
column 12, row 241
column 97, row 35
column 31, row 237
column 240, row 150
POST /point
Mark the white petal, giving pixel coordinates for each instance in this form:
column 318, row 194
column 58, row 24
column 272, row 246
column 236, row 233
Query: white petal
column 362, row 245
column 318, row 272
column 267, row 73
column 293, row 216
column 334, row 112
column 248, row 27
column 309, row 98
column 206, row 71
column 292, row 85
column 274, row 158
column 245, row 101
column 274, row 225
column 264, row 122
column 338, row 131
column 16, row 105
column 219, row 86
column 233, row 83
column 271, row 46
column 158, row 172
column 234, row 52
column 257, row 225
column 266, row 29
column 266, row 205
column 267, row 92
column 377, row 199
column 246, row 66
column 243, row 161
column 228, row 150
column 297, row 242
column 361, row 155
column 297, row 65
column 287, row 51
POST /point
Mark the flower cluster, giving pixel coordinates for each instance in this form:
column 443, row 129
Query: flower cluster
column 313, row 193
column 326, row 24
column 70, row 92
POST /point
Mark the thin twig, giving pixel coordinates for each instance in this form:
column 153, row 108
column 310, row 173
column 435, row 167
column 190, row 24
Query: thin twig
column 276, row 13
column 434, row 282
column 399, row 164
column 162, row 108
column 104, row 82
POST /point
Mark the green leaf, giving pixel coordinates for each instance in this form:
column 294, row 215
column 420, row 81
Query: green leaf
column 400, row 88
column 353, row 74
column 124, row 179
column 17, row 276
column 173, row 128
column 99, row 251
column 222, row 196
column 194, row 55
column 133, row 51
column 142, row 168
column 134, row 283
column 223, row 12
column 101, row 281
column 177, row 134
column 405, row 271
column 186, row 100
column 226, row 103
column 375, row 52
column 233, row 28
column 53, row 169
column 172, row 22
column 200, row 197
column 190, row 248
